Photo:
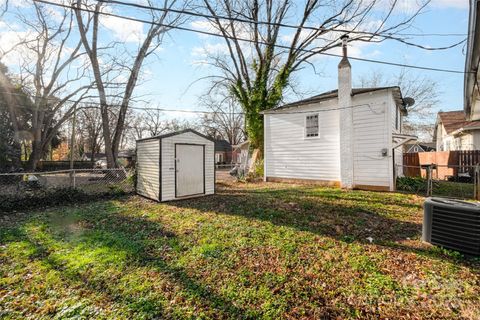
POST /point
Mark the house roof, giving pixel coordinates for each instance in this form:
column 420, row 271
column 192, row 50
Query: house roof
column 452, row 120
column 95, row 155
column 397, row 95
column 177, row 133
column 455, row 122
column 222, row 145
column 126, row 153
column 426, row 146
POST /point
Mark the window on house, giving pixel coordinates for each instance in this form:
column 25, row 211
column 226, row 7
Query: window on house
column 397, row 119
column 311, row 126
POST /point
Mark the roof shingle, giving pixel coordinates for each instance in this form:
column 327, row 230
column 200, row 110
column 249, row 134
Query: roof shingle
column 452, row 120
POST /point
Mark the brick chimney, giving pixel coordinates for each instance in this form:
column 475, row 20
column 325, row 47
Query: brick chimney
column 346, row 117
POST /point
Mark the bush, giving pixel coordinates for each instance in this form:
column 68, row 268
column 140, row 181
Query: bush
column 257, row 172
column 51, row 197
column 412, row 184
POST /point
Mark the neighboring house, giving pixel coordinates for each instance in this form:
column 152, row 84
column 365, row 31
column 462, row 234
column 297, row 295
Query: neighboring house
column 126, row 158
column 242, row 156
column 472, row 72
column 420, row 147
column 87, row 156
column 223, row 151
column 347, row 137
column 454, row 132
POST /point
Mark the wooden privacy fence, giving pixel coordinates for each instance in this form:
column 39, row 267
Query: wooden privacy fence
column 449, row 163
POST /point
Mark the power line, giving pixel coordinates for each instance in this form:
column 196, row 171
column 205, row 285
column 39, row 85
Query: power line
column 251, row 41
column 90, row 105
column 272, row 111
column 384, row 35
column 267, row 23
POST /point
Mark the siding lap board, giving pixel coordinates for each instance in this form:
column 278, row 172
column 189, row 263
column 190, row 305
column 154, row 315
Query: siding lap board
column 290, row 155
column 370, row 129
column 148, row 153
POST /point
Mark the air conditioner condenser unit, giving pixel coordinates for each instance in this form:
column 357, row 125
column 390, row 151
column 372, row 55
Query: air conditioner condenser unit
column 452, row 224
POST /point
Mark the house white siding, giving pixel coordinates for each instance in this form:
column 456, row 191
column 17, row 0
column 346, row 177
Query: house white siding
column 475, row 140
column 396, row 125
column 289, row 154
column 148, row 155
column 168, row 163
column 372, row 123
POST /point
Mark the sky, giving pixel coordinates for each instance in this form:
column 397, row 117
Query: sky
column 173, row 77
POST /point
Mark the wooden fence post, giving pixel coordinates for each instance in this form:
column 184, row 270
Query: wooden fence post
column 429, row 180
column 476, row 181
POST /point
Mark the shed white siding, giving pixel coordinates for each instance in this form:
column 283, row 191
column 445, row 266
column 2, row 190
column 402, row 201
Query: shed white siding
column 289, row 154
column 168, row 162
column 148, row 156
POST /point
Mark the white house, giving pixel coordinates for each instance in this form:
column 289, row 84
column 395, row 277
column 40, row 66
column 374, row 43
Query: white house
column 454, row 132
column 347, row 137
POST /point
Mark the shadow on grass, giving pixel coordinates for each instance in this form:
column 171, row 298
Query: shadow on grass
column 140, row 240
column 345, row 216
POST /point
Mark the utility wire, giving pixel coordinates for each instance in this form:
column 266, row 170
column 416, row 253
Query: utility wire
column 89, row 105
column 252, row 41
column 384, row 35
column 267, row 23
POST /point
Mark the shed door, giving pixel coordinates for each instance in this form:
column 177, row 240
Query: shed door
column 190, row 175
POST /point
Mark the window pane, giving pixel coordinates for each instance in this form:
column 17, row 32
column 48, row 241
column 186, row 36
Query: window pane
column 311, row 126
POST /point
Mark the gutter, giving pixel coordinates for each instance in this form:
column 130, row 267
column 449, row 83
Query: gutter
column 472, row 58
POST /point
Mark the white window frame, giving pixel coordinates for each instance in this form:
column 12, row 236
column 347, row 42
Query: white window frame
column 398, row 119
column 305, row 125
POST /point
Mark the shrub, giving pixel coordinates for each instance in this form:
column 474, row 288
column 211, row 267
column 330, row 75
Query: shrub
column 412, row 184
column 51, row 197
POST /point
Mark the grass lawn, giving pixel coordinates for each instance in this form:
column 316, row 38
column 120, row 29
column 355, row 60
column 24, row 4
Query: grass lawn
column 453, row 189
column 271, row 251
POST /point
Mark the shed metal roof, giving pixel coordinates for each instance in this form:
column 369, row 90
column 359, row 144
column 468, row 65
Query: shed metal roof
column 162, row 136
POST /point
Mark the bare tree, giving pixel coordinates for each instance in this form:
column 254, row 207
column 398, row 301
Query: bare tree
column 48, row 75
column 259, row 70
column 161, row 24
column 90, row 127
column 226, row 119
column 424, row 90
column 154, row 123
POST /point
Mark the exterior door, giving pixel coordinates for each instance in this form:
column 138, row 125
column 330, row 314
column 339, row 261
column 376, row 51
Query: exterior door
column 190, row 169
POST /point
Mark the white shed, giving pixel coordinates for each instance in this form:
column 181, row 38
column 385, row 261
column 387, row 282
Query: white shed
column 174, row 166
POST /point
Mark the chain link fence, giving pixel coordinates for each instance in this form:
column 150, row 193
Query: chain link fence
column 453, row 181
column 53, row 187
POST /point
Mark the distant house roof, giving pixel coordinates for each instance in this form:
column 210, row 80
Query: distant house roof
column 222, row 145
column 334, row 94
column 452, row 120
column 455, row 121
column 424, row 146
column 95, row 155
column 126, row 153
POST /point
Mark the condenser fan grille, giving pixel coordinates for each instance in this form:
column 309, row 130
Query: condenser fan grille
column 453, row 225
column 458, row 230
